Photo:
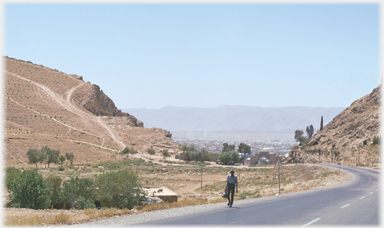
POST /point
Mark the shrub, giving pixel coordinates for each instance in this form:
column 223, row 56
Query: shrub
column 10, row 174
column 75, row 188
column 83, row 203
column 150, row 152
column 30, row 190
column 120, row 189
column 376, row 140
column 61, row 168
column 56, row 195
column 69, row 157
column 228, row 157
column 62, row 159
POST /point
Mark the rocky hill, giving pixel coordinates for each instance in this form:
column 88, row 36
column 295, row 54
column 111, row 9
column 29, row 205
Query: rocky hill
column 44, row 106
column 348, row 138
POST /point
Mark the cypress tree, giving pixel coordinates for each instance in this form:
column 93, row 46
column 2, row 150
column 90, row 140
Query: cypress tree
column 321, row 124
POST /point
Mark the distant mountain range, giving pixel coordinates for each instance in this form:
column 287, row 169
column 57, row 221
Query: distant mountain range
column 234, row 118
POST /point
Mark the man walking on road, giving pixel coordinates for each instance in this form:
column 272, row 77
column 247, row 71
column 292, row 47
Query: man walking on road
column 231, row 183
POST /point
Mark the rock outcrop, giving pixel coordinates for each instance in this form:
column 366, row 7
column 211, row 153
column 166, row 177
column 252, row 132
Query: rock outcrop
column 101, row 105
column 348, row 138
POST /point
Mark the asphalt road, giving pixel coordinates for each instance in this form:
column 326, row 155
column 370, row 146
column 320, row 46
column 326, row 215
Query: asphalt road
column 356, row 203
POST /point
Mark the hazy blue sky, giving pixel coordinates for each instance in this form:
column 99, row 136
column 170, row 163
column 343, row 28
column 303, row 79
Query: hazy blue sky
column 205, row 55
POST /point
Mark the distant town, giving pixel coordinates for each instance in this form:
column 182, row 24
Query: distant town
column 215, row 146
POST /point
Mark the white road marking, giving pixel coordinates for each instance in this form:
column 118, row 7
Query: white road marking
column 371, row 193
column 313, row 221
column 345, row 206
column 362, row 197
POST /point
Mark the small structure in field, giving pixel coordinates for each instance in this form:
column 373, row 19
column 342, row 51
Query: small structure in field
column 162, row 192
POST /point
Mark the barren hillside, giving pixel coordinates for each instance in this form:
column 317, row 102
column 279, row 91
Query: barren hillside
column 47, row 107
column 351, row 133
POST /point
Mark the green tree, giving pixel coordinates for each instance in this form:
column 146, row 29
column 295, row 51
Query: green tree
column 187, row 148
column 213, row 157
column 150, row 152
column 227, row 147
column 33, row 156
column 166, row 154
column 376, row 140
column 125, row 151
column 228, row 157
column 45, row 150
column 310, row 130
column 10, row 174
column 244, row 149
column 120, row 189
column 234, row 157
column 132, row 151
column 224, row 158
column 77, row 190
column 62, row 159
column 43, row 158
column 186, row 155
column 205, row 155
column 197, row 156
column 53, row 157
column 30, row 190
column 56, row 195
column 299, row 136
column 69, row 157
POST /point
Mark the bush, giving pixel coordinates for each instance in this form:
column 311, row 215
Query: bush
column 83, row 203
column 120, row 189
column 228, row 157
column 56, row 195
column 60, row 168
column 30, row 190
column 10, row 174
column 376, row 140
column 76, row 188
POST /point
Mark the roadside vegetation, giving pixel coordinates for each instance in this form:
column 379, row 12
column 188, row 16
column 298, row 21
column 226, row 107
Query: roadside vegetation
column 106, row 189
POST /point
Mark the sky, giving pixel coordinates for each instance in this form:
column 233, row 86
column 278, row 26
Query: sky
column 205, row 55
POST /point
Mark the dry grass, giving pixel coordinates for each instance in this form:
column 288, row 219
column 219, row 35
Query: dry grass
column 66, row 217
column 218, row 200
column 109, row 212
column 182, row 203
column 61, row 218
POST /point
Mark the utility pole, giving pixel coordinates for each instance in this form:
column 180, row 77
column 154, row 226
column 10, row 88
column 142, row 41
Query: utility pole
column 278, row 166
column 279, row 179
column 358, row 155
column 201, row 178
